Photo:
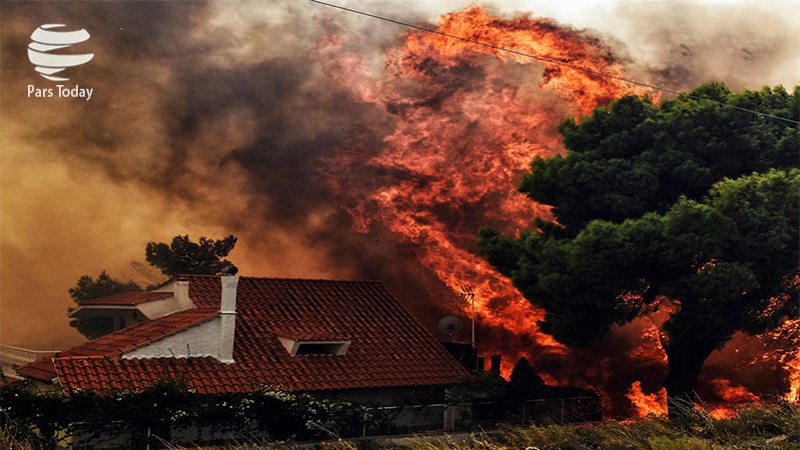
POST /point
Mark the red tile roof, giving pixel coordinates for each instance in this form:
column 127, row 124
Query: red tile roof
column 388, row 347
column 10, row 380
column 103, row 373
column 123, row 340
column 41, row 369
column 127, row 298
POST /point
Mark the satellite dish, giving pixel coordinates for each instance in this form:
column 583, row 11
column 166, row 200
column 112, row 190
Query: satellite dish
column 450, row 325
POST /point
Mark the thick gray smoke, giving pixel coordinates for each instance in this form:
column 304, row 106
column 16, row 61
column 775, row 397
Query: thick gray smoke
column 205, row 118
column 216, row 118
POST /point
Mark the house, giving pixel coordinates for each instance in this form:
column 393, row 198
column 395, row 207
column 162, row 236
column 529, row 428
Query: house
column 230, row 334
column 236, row 334
column 128, row 308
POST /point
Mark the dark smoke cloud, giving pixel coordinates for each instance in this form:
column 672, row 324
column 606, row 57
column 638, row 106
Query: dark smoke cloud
column 216, row 111
column 214, row 118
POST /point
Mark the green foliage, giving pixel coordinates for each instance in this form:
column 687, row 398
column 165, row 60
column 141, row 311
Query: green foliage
column 184, row 256
column 48, row 418
column 634, row 157
column 689, row 200
column 780, row 425
column 32, row 421
column 728, row 259
column 480, row 386
column 88, row 288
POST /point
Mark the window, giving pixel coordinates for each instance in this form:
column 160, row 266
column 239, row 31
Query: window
column 316, row 347
column 320, row 348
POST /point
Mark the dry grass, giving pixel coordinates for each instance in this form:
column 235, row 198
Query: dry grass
column 755, row 428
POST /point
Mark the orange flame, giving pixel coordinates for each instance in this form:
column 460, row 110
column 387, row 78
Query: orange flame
column 465, row 132
column 538, row 37
column 792, row 365
column 645, row 405
column 732, row 395
column 466, row 122
column 722, row 413
column 783, row 346
column 793, row 396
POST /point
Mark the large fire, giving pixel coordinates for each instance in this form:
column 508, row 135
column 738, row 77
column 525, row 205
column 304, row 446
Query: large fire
column 468, row 120
column 229, row 126
column 464, row 133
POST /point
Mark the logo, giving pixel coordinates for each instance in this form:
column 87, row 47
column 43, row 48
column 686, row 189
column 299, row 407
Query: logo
column 45, row 40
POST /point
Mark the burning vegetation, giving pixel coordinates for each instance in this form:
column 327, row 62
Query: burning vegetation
column 465, row 132
column 419, row 146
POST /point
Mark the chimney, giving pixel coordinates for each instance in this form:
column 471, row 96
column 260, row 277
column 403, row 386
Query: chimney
column 181, row 293
column 495, row 364
column 227, row 316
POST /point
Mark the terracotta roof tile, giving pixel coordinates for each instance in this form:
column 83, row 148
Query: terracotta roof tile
column 41, row 369
column 388, row 347
column 10, row 380
column 127, row 298
column 120, row 341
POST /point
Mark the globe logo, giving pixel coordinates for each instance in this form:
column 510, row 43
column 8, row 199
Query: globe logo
column 45, row 40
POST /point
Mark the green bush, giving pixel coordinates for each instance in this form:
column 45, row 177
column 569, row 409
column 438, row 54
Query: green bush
column 34, row 421
column 49, row 418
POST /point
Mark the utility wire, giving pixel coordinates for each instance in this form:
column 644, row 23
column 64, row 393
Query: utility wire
column 546, row 60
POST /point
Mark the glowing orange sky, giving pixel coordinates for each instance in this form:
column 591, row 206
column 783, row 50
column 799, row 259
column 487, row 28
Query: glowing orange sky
column 186, row 92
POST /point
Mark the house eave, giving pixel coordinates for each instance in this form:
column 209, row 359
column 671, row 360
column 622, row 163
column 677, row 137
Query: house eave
column 80, row 309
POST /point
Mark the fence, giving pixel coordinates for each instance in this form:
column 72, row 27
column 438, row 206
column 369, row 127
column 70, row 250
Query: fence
column 11, row 356
column 398, row 420
column 142, row 432
column 558, row 410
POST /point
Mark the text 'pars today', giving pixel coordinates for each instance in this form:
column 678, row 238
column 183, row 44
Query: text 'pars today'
column 60, row 91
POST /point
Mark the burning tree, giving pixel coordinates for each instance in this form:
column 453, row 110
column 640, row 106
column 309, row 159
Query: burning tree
column 637, row 227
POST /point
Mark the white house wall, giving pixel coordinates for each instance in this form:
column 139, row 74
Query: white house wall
column 197, row 341
column 161, row 308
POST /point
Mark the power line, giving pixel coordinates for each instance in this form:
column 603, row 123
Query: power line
column 547, row 60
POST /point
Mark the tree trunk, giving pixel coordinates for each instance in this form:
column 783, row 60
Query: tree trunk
column 685, row 361
column 693, row 335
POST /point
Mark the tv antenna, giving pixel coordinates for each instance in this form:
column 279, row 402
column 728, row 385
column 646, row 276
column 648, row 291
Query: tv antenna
column 468, row 295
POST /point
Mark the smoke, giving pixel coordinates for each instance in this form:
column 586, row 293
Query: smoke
column 206, row 119
column 226, row 118
column 745, row 44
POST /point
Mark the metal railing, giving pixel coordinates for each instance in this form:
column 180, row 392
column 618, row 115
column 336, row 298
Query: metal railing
column 16, row 356
column 488, row 415
column 399, row 420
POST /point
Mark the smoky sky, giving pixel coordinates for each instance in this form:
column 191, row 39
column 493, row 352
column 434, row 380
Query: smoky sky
column 216, row 110
column 745, row 44
column 216, row 118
